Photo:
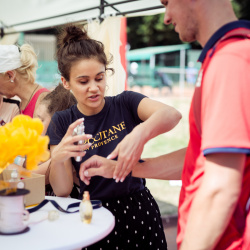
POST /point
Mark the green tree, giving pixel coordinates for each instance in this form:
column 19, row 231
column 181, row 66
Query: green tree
column 242, row 8
column 145, row 31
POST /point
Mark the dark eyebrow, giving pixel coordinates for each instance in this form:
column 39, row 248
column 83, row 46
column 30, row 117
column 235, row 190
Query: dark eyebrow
column 82, row 77
column 102, row 72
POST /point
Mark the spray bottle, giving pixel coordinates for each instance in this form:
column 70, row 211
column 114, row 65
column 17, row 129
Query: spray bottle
column 79, row 130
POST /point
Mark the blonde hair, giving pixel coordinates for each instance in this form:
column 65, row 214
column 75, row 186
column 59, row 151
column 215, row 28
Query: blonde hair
column 29, row 63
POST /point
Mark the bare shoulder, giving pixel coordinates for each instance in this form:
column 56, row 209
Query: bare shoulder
column 42, row 95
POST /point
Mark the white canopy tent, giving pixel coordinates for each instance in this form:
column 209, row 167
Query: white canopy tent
column 30, row 15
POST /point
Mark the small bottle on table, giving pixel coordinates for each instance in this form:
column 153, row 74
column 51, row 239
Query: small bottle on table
column 86, row 208
column 15, row 181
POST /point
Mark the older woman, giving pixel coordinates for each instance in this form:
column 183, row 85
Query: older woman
column 17, row 76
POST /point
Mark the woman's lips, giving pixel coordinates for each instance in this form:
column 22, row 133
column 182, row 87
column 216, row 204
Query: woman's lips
column 94, row 98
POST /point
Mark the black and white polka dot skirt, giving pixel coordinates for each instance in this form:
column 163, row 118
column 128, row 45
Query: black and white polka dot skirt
column 138, row 224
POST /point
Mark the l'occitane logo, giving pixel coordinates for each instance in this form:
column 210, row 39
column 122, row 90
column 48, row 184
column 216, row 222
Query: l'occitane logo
column 106, row 136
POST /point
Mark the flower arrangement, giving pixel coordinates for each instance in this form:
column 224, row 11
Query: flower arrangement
column 22, row 137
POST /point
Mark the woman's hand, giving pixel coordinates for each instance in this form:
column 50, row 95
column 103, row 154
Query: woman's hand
column 158, row 118
column 128, row 151
column 61, row 174
column 68, row 147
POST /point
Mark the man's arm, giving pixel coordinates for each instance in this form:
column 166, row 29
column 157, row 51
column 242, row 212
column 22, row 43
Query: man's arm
column 165, row 167
column 215, row 201
column 157, row 118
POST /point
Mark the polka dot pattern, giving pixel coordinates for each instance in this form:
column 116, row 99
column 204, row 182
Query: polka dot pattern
column 138, row 224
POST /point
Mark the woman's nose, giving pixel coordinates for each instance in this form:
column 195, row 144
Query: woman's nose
column 93, row 86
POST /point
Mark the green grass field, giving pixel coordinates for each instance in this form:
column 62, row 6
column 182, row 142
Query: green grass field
column 166, row 194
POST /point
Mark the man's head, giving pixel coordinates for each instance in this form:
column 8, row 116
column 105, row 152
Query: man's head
column 197, row 19
column 181, row 14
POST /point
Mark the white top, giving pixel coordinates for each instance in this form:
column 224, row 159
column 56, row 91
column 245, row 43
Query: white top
column 67, row 232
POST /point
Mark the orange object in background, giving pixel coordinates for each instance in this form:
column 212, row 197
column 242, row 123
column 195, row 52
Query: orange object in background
column 123, row 39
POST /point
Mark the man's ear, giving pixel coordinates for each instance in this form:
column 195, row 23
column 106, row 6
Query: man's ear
column 65, row 83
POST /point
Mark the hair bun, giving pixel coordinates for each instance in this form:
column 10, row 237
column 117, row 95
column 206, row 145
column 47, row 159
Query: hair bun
column 74, row 34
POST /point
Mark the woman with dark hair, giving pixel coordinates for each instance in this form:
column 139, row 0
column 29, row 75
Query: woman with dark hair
column 126, row 121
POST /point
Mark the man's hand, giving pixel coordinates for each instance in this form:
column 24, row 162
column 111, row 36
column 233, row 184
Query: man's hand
column 96, row 165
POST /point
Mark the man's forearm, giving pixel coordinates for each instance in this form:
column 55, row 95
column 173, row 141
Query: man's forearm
column 214, row 202
column 165, row 167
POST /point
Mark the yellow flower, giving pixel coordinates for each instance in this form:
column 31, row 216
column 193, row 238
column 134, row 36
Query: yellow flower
column 22, row 137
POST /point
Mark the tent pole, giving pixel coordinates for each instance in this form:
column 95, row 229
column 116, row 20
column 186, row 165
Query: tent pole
column 102, row 2
column 2, row 32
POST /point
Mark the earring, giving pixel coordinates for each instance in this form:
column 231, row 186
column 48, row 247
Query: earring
column 11, row 80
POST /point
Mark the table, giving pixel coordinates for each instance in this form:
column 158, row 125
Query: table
column 68, row 232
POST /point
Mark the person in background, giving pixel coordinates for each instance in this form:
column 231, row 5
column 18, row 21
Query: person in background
column 56, row 100
column 17, row 76
column 191, row 73
column 129, row 119
column 9, row 108
column 214, row 204
column 17, row 79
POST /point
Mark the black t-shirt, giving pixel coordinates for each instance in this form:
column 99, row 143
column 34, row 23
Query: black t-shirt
column 108, row 127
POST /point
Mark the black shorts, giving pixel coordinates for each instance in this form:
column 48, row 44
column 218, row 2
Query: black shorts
column 138, row 224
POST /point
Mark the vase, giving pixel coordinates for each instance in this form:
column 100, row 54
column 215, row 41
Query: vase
column 13, row 215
